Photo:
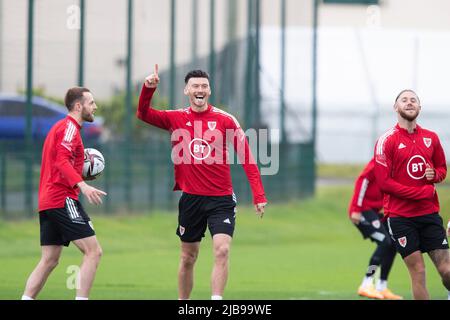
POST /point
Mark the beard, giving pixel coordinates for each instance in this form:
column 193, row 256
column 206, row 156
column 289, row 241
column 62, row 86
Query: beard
column 407, row 116
column 86, row 116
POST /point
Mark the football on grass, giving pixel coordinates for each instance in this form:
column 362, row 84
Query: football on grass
column 94, row 163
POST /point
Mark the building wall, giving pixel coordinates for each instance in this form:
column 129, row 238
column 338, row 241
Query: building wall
column 411, row 14
column 56, row 45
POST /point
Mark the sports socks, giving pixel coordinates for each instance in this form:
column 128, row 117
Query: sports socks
column 381, row 285
column 367, row 282
column 216, row 297
column 26, row 298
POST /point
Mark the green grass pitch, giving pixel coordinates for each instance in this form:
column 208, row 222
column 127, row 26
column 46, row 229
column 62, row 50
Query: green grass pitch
column 299, row 250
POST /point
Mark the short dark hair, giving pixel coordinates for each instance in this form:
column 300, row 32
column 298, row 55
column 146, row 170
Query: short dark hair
column 406, row 90
column 74, row 95
column 195, row 74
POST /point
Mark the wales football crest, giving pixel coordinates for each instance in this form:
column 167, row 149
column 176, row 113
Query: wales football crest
column 427, row 142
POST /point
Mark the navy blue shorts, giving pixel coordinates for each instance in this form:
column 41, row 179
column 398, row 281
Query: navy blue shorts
column 61, row 225
column 424, row 233
column 372, row 227
column 196, row 212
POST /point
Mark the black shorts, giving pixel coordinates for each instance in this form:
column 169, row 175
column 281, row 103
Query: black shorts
column 424, row 233
column 62, row 225
column 371, row 226
column 196, row 212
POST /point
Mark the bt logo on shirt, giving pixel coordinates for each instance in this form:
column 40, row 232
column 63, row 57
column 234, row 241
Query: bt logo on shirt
column 416, row 167
column 199, row 149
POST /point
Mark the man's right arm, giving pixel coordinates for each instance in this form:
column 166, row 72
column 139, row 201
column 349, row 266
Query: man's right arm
column 145, row 112
column 359, row 192
column 64, row 145
column 93, row 195
column 383, row 168
column 63, row 164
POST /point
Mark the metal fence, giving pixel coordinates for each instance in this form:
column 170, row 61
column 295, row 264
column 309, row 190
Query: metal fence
column 110, row 47
column 143, row 181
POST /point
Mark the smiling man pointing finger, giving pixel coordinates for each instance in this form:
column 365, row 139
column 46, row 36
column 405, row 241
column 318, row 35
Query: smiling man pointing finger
column 200, row 135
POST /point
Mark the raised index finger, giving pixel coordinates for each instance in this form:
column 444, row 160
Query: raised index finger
column 156, row 69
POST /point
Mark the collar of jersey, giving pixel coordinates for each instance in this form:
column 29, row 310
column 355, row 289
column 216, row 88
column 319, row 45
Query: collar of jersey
column 404, row 131
column 74, row 121
column 200, row 114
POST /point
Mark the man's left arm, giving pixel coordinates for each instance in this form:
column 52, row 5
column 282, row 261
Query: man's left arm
column 241, row 147
column 439, row 162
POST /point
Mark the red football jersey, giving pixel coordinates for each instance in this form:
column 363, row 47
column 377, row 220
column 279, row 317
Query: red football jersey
column 62, row 164
column 400, row 162
column 199, row 148
column 367, row 194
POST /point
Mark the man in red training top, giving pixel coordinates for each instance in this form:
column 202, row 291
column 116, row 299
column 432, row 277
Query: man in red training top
column 61, row 216
column 409, row 160
column 364, row 212
column 199, row 135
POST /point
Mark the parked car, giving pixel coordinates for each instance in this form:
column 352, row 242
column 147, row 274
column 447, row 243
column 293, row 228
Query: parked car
column 45, row 115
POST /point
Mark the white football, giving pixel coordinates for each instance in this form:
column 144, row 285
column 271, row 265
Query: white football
column 94, row 163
